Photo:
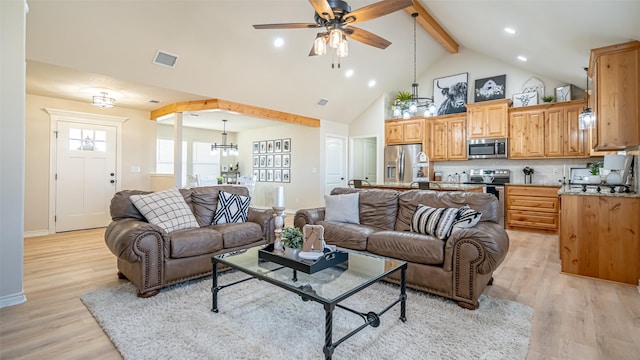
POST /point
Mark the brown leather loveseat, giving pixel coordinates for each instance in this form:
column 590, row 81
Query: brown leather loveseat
column 458, row 268
column 151, row 258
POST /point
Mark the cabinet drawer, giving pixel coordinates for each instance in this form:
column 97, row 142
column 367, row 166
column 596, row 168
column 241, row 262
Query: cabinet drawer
column 543, row 204
column 533, row 191
column 532, row 219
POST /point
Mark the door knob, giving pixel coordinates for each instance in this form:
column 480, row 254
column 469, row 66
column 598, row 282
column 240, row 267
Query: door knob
column 112, row 181
column 112, row 174
column 341, row 178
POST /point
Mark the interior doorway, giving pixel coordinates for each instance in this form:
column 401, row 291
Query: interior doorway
column 336, row 162
column 363, row 159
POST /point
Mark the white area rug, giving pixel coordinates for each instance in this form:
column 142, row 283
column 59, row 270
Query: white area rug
column 260, row 321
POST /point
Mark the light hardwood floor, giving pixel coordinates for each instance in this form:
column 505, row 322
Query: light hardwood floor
column 575, row 318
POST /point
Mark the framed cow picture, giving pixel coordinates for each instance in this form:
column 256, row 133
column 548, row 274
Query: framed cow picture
column 450, row 94
column 525, row 99
column 490, row 88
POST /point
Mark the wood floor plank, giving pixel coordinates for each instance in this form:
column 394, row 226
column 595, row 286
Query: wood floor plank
column 575, row 317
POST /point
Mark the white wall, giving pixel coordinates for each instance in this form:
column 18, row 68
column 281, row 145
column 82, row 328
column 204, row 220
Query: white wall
column 12, row 141
column 138, row 149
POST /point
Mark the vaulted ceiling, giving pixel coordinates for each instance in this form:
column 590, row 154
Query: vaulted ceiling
column 75, row 47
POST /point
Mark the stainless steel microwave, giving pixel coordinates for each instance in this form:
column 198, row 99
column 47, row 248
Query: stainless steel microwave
column 487, row 148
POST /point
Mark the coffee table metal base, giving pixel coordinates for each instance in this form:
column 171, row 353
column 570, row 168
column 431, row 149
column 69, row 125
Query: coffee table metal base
column 370, row 318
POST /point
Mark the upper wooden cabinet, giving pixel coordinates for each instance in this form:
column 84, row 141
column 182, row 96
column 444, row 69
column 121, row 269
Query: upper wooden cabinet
column 488, row 119
column 615, row 71
column 448, row 139
column 547, row 131
column 398, row 131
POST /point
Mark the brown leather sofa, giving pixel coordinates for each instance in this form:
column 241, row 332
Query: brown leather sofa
column 152, row 259
column 458, row 268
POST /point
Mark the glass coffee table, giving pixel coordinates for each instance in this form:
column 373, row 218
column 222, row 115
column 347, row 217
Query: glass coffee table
column 328, row 286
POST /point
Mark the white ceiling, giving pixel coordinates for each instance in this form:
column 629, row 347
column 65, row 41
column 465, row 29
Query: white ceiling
column 77, row 47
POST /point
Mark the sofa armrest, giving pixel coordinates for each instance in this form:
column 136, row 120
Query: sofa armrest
column 308, row 216
column 264, row 218
column 489, row 244
column 131, row 240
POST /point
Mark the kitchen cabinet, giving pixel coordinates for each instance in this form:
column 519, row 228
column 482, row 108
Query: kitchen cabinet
column 488, row 119
column 562, row 135
column 399, row 131
column 526, row 134
column 448, row 137
column 600, row 237
column 615, row 71
column 532, row 207
column 547, row 131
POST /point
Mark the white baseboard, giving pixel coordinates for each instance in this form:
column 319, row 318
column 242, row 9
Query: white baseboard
column 36, row 233
column 13, row 299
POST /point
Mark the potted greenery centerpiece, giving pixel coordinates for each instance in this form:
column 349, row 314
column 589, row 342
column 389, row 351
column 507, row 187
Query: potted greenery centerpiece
column 595, row 172
column 547, row 98
column 291, row 237
column 220, row 179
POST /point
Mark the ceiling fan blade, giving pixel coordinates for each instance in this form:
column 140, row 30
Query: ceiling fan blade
column 366, row 37
column 287, row 26
column 322, row 8
column 376, row 10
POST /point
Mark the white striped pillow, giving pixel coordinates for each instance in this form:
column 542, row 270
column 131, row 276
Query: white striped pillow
column 437, row 222
column 467, row 217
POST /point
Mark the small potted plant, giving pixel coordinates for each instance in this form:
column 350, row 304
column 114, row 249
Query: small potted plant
column 595, row 172
column 291, row 237
column 547, row 98
column 220, row 179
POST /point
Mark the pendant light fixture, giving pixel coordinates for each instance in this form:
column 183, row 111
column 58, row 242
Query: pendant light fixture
column 408, row 108
column 227, row 149
column 103, row 100
column 587, row 118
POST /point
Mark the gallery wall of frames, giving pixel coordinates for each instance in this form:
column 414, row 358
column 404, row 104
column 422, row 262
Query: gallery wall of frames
column 272, row 160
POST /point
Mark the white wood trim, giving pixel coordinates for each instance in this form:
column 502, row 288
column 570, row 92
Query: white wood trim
column 13, row 299
column 56, row 115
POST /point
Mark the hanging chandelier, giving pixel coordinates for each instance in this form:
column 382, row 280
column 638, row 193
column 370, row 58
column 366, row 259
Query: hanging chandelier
column 227, row 149
column 587, row 118
column 103, row 100
column 408, row 106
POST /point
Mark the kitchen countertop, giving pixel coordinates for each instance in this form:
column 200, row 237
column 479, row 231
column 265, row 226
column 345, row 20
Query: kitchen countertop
column 542, row 185
column 435, row 185
column 605, row 191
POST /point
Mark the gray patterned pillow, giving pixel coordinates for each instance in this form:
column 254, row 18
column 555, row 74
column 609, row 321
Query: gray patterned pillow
column 231, row 208
column 437, row 222
column 166, row 209
column 467, row 217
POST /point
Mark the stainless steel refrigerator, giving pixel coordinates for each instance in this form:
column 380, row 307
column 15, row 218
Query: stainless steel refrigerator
column 399, row 161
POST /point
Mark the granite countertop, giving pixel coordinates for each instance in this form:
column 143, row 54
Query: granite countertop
column 541, row 185
column 591, row 191
column 435, row 185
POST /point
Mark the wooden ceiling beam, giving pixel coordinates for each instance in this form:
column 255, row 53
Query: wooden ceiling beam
column 431, row 26
column 249, row 110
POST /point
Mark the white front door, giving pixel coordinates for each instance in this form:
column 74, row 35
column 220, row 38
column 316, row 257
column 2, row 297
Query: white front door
column 85, row 175
column 336, row 162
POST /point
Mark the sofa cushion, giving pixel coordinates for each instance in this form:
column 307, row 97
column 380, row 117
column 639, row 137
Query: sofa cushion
column 166, row 209
column 342, row 208
column 194, row 242
column 467, row 217
column 122, row 207
column 239, row 234
column 434, row 221
column 407, row 246
column 487, row 204
column 351, row 236
column 231, row 208
column 378, row 207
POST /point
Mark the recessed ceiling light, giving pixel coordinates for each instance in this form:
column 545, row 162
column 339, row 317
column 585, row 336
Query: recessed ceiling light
column 278, row 42
column 509, row 30
column 522, row 58
column 349, row 73
column 372, row 83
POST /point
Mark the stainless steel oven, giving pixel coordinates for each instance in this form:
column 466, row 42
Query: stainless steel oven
column 487, row 148
column 494, row 181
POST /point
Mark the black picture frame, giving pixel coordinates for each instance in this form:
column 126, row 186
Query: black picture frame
column 286, row 145
column 490, row 88
column 269, row 146
column 256, row 147
column 277, row 145
column 286, row 160
column 286, row 175
column 450, row 93
column 263, row 147
column 277, row 175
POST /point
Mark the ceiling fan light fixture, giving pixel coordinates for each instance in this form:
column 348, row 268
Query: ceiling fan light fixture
column 343, row 48
column 335, row 38
column 320, row 45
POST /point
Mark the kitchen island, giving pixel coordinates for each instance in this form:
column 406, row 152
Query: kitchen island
column 433, row 185
column 600, row 234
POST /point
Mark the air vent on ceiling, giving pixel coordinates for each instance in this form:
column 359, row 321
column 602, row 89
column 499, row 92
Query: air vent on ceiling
column 154, row 101
column 322, row 102
column 165, row 59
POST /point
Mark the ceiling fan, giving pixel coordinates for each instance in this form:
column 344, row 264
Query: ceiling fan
column 336, row 17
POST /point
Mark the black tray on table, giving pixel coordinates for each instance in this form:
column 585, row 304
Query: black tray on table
column 291, row 260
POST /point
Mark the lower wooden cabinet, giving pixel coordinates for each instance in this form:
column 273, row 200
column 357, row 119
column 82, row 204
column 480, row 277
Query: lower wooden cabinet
column 600, row 237
column 532, row 207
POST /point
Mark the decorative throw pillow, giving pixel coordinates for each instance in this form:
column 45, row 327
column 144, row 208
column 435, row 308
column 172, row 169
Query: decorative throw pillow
column 437, row 222
column 467, row 217
column 166, row 209
column 342, row 208
column 231, row 208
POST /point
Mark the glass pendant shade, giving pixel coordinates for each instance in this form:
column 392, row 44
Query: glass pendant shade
column 586, row 119
column 335, row 37
column 343, row 48
column 397, row 111
column 320, row 45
